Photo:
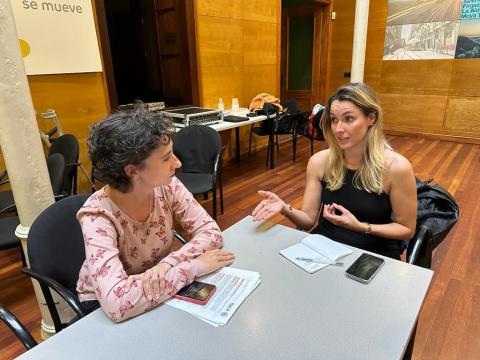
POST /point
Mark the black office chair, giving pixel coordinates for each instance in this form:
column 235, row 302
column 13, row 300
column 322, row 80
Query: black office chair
column 56, row 251
column 279, row 124
column 17, row 328
column 311, row 129
column 8, row 240
column 199, row 148
column 68, row 146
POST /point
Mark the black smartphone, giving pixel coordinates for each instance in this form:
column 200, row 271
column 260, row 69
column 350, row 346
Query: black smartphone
column 364, row 268
column 197, row 292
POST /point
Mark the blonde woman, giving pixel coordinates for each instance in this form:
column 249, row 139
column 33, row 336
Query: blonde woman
column 362, row 189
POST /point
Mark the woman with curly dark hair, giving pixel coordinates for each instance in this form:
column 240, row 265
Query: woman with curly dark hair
column 128, row 224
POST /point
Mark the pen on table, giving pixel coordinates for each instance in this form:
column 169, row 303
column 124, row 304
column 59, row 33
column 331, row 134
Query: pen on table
column 320, row 261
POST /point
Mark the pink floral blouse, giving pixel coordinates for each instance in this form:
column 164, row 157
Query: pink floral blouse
column 117, row 246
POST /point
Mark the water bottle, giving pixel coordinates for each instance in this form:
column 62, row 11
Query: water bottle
column 220, row 104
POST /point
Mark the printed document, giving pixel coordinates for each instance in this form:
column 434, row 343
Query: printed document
column 233, row 287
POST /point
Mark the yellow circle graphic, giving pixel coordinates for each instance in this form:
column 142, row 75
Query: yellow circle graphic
column 24, row 47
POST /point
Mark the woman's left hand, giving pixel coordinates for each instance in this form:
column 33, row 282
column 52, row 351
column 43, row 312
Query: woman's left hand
column 345, row 219
column 153, row 281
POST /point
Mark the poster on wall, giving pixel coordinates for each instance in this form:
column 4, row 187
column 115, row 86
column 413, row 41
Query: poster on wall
column 57, row 36
column 468, row 43
column 422, row 29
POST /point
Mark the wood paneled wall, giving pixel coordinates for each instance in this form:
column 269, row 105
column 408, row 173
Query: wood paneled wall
column 78, row 99
column 238, row 53
column 434, row 98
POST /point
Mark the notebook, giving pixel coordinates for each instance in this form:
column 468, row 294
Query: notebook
column 233, row 118
column 316, row 247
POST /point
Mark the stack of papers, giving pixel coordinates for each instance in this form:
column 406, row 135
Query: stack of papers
column 319, row 249
column 233, row 287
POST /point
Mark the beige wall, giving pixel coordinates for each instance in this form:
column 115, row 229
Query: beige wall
column 238, row 53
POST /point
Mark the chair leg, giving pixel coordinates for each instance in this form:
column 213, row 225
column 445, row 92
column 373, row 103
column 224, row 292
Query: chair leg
column 268, row 152
column 250, row 142
column 278, row 149
column 294, row 146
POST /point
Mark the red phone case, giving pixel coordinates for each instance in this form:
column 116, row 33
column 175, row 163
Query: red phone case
column 196, row 301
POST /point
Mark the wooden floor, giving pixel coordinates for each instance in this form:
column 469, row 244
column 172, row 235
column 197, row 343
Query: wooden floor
column 449, row 323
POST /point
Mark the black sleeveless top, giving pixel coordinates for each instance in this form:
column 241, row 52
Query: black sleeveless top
column 367, row 207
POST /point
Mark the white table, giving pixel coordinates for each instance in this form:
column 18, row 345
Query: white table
column 291, row 315
column 226, row 125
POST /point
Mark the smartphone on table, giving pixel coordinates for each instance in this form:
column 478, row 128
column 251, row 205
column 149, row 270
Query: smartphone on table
column 364, row 268
column 197, row 292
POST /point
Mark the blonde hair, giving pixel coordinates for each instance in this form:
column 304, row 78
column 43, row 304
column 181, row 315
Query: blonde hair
column 370, row 175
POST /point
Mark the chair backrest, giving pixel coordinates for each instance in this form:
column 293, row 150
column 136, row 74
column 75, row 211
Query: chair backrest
column 55, row 242
column 17, row 327
column 292, row 106
column 67, row 145
column 56, row 169
column 197, row 147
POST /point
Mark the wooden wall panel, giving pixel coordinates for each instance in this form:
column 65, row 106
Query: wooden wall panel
column 78, row 99
column 259, row 43
column 416, row 77
column 463, row 114
column 373, row 74
column 220, row 41
column 341, row 44
column 222, row 81
column 465, row 78
column 238, row 53
column 413, row 111
column 264, row 11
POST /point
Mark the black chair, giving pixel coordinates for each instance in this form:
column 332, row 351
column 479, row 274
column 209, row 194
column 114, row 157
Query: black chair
column 68, row 146
column 311, row 129
column 7, row 204
column 56, row 253
column 8, row 240
column 199, row 148
column 17, row 328
column 437, row 213
column 277, row 124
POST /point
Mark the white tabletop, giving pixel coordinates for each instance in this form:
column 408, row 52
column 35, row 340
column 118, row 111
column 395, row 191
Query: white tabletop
column 291, row 315
column 226, row 125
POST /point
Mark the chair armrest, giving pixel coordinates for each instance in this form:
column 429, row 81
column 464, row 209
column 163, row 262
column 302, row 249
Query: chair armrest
column 17, row 327
column 417, row 246
column 180, row 237
column 66, row 294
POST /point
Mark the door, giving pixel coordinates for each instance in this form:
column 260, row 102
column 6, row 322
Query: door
column 304, row 56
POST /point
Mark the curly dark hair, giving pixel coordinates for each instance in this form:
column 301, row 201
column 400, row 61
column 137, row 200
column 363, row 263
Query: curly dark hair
column 123, row 138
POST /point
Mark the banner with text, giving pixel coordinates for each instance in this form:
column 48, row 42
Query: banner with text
column 57, row 37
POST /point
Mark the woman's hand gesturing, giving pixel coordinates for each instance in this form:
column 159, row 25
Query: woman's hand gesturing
column 345, row 219
column 268, row 207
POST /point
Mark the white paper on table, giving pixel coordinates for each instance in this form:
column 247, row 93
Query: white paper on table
column 233, row 287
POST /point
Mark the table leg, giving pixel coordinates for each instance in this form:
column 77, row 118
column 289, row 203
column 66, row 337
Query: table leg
column 237, row 144
column 272, row 151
